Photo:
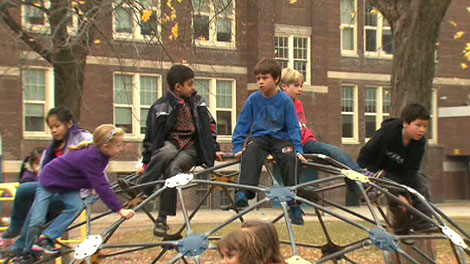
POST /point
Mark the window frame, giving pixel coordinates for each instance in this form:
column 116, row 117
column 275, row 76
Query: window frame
column 292, row 32
column 136, row 105
column 136, row 34
column 48, row 103
column 212, row 104
column 212, row 41
column 379, row 52
column 45, row 29
column 379, row 102
column 434, row 118
column 355, row 115
column 354, row 51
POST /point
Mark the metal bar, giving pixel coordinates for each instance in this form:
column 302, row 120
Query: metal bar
column 185, row 213
column 289, row 228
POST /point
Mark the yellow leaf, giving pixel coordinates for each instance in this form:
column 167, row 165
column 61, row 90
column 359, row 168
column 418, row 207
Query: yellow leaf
column 293, row 2
column 463, row 66
column 467, row 55
column 36, row 4
column 437, row 44
column 459, row 34
column 174, row 31
column 81, row 2
column 373, row 11
column 180, row 1
column 74, row 4
column 97, row 41
column 146, row 14
column 468, row 9
column 453, row 23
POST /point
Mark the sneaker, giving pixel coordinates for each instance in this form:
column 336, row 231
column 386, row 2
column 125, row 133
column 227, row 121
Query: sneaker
column 45, row 245
column 161, row 228
column 240, row 200
column 295, row 215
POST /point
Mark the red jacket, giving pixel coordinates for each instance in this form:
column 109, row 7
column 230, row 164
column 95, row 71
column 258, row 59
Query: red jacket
column 306, row 133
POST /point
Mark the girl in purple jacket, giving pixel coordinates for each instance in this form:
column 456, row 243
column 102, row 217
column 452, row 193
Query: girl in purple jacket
column 64, row 177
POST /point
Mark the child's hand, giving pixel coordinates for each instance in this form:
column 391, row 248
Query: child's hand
column 238, row 155
column 301, row 157
column 140, row 170
column 219, row 155
column 126, row 213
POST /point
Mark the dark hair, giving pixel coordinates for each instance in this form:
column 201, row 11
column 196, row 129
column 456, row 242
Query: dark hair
column 269, row 66
column 62, row 113
column 414, row 111
column 178, row 74
column 34, row 156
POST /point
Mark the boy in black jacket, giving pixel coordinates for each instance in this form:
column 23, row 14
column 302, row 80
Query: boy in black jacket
column 398, row 148
column 180, row 134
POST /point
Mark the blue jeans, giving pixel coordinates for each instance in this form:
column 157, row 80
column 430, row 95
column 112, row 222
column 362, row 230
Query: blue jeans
column 315, row 147
column 37, row 216
column 23, row 200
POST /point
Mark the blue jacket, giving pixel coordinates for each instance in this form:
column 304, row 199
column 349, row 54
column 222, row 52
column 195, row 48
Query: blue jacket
column 81, row 169
column 262, row 116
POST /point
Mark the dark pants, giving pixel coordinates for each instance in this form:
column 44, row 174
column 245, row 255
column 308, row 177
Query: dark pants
column 404, row 221
column 255, row 155
column 165, row 163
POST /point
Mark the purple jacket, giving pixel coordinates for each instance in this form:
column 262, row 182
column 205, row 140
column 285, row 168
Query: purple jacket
column 81, row 169
column 28, row 176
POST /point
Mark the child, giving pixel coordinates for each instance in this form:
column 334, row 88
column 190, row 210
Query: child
column 240, row 247
column 291, row 83
column 64, row 177
column 180, row 134
column 30, row 166
column 398, row 148
column 65, row 133
column 267, row 239
column 269, row 122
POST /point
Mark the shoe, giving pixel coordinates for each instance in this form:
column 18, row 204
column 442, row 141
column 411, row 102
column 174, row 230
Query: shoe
column 161, row 228
column 125, row 185
column 25, row 259
column 295, row 215
column 240, row 200
column 45, row 245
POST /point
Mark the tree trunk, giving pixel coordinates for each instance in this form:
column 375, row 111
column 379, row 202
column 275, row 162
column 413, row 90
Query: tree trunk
column 415, row 26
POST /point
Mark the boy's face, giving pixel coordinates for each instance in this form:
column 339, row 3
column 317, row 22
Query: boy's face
column 416, row 129
column 184, row 90
column 266, row 82
column 294, row 90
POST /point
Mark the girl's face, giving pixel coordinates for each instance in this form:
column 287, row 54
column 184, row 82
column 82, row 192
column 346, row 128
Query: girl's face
column 229, row 257
column 113, row 148
column 35, row 165
column 58, row 128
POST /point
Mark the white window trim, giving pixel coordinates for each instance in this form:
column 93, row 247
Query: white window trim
column 212, row 105
column 296, row 31
column 135, row 107
column 355, row 114
column 49, row 103
column 379, row 114
column 379, row 53
column 212, row 41
column 136, row 34
column 45, row 29
column 349, row 53
column 435, row 119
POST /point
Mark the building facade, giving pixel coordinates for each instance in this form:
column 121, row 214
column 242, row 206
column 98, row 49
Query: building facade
column 344, row 49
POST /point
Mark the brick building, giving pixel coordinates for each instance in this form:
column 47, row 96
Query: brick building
column 343, row 47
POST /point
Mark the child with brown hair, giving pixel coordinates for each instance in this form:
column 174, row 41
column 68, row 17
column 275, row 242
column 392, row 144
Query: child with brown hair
column 64, row 177
column 267, row 238
column 240, row 247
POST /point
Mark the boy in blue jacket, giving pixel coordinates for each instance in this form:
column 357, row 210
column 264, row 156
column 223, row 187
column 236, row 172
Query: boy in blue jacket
column 269, row 123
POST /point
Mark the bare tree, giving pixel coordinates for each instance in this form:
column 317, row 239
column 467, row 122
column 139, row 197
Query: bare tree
column 415, row 26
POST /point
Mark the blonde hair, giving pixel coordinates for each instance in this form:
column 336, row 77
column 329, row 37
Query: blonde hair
column 244, row 245
column 267, row 238
column 291, row 76
column 103, row 134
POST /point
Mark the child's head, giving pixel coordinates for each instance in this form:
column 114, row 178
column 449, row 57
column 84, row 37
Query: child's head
column 34, row 159
column 59, row 119
column 109, row 139
column 239, row 247
column 268, row 74
column 267, row 238
column 292, row 82
column 415, row 119
column 180, row 78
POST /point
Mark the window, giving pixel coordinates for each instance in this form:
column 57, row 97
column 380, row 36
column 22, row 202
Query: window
column 377, row 34
column 348, row 27
column 214, row 22
column 220, row 97
column 38, row 95
column 293, row 50
column 128, row 24
column 349, row 115
column 134, row 93
column 35, row 20
column 376, row 108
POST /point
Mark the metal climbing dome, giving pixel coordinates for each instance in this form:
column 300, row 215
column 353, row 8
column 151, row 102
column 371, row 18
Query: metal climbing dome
column 190, row 245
